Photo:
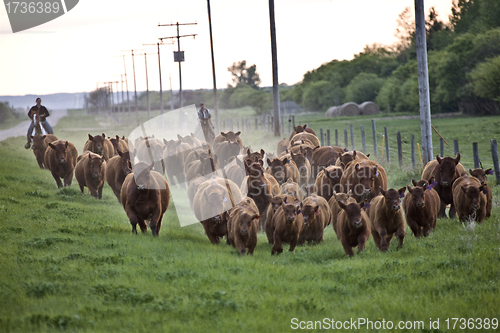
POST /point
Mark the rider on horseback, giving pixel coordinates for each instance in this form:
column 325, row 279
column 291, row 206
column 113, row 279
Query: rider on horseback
column 42, row 113
column 204, row 117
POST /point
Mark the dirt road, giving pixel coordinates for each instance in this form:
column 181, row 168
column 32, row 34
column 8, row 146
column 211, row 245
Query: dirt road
column 22, row 128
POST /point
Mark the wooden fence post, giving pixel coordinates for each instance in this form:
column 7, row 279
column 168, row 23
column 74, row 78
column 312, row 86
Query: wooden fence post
column 321, row 137
column 352, row 137
column 293, row 123
column 363, row 139
column 475, row 153
column 374, row 138
column 413, row 151
column 345, row 139
column 494, row 154
column 441, row 146
column 387, row 145
column 455, row 146
column 328, row 137
column 336, row 137
column 400, row 148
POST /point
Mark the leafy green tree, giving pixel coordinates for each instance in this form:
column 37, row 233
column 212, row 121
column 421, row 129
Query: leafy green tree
column 241, row 73
column 320, row 95
column 364, row 87
column 485, row 79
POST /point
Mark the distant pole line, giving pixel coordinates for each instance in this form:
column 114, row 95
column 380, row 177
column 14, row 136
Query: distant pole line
column 159, row 70
column 126, row 86
column 274, row 55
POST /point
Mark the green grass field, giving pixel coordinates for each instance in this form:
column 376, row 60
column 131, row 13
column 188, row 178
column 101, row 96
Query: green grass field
column 69, row 262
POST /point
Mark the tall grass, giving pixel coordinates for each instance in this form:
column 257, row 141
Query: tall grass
column 70, row 262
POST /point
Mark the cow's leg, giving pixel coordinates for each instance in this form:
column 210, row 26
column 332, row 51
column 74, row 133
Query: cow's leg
column 81, row 187
column 361, row 242
column 400, row 234
column 376, row 238
column 347, row 247
column 99, row 191
column 293, row 244
column 442, row 209
column 383, row 241
column 240, row 246
column 155, row 220
column 413, row 226
column 133, row 219
column 207, row 224
column 68, row 179
column 426, row 230
column 452, row 211
column 277, row 246
column 57, row 179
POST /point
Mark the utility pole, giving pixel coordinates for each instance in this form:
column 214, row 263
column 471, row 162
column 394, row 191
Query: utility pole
column 216, row 107
column 159, row 69
column 423, row 82
column 126, row 85
column 135, row 86
column 178, row 56
column 276, row 92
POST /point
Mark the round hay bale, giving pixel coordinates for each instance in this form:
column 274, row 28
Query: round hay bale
column 369, row 108
column 331, row 111
column 350, row 109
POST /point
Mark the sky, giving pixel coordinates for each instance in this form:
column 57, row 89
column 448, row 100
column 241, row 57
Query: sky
column 85, row 47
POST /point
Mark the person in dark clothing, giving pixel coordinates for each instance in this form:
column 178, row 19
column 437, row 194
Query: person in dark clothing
column 204, row 117
column 43, row 114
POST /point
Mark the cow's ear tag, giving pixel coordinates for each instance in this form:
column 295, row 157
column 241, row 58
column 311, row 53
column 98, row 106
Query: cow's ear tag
column 299, row 211
column 429, row 187
column 434, row 183
column 485, row 191
column 402, row 195
column 491, row 172
column 377, row 174
column 367, row 205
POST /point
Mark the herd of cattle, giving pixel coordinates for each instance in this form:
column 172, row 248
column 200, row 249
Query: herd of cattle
column 292, row 196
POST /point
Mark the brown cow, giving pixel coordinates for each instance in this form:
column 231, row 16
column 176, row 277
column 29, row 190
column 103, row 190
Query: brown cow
column 286, row 226
column 229, row 136
column 117, row 168
column 174, row 155
column 469, row 198
column 206, row 164
column 335, row 208
column 242, row 226
column 303, row 165
column 145, row 195
column 40, row 144
column 346, row 157
column 90, row 171
column 100, row 145
column 317, row 215
column 225, row 150
column 305, row 138
column 480, row 174
column 323, row 157
column 60, row 159
column 118, row 144
column 364, row 178
column 291, row 188
column 283, row 169
column 211, row 203
column 191, row 140
column 256, row 154
column 300, row 129
column 257, row 185
column 236, row 171
column 274, row 205
column 445, row 171
column 328, row 181
column 353, row 227
column 282, row 145
column 386, row 217
column 421, row 206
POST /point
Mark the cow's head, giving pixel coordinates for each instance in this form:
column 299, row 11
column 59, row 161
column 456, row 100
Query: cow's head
column 479, row 173
column 353, row 213
column 61, row 152
column 393, row 197
column 300, row 162
column 98, row 141
column 278, row 169
column 142, row 175
column 276, row 202
column 290, row 210
column 417, row 195
column 347, row 157
column 38, row 141
column 309, row 212
column 364, row 178
column 245, row 221
column 95, row 163
column 472, row 194
column 125, row 163
column 231, row 136
column 215, row 195
column 447, row 169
